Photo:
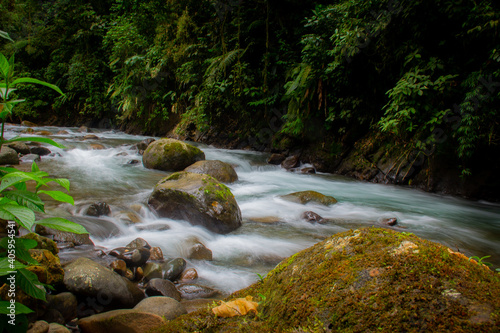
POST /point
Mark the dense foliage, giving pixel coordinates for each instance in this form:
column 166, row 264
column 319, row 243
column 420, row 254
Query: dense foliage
column 423, row 75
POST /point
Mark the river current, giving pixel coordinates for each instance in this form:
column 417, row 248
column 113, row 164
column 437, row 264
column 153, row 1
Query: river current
column 272, row 227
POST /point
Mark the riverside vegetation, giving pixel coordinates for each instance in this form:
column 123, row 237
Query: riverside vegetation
column 383, row 90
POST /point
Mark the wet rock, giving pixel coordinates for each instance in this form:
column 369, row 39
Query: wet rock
column 129, row 275
column 39, row 326
column 132, row 257
column 119, row 266
column 312, row 217
column 57, row 328
column 98, row 209
column 199, row 251
column 84, row 129
column 156, row 253
column 85, row 277
column 152, row 270
column 28, row 123
column 171, row 155
column 291, row 162
column 138, row 243
column 276, row 159
column 128, row 217
column 173, row 269
column 29, row 130
column 40, row 151
column 221, row 171
column 305, row 197
column 97, row 146
column 197, row 198
column 53, row 316
column 90, row 137
column 143, row 145
column 133, row 162
column 162, row 306
column 44, row 133
column 120, row 321
column 193, row 291
column 308, row 170
column 188, row 275
column 62, row 132
column 20, row 147
column 162, row 287
column 64, row 237
column 8, row 156
column 392, row 221
column 65, row 302
column 139, row 274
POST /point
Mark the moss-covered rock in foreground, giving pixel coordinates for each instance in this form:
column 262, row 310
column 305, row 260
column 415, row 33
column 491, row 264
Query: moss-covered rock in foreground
column 366, row 280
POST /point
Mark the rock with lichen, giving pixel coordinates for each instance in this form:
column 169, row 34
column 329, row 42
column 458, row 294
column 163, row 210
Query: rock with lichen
column 366, row 280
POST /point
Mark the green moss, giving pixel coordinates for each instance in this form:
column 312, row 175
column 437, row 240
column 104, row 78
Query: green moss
column 365, row 280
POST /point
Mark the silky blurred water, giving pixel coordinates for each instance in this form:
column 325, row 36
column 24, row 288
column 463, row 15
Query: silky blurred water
column 272, row 227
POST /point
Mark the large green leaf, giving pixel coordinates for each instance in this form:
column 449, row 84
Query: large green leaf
column 4, row 66
column 24, row 216
column 6, row 268
column 36, row 139
column 61, row 224
column 63, row 182
column 27, row 199
column 20, row 308
column 16, row 177
column 28, row 281
column 59, row 196
column 35, row 81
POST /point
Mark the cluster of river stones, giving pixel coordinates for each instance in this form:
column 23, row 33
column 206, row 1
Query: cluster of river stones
column 136, row 284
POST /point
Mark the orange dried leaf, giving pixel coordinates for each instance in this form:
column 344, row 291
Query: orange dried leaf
column 237, row 307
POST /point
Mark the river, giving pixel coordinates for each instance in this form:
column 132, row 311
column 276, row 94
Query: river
column 272, row 227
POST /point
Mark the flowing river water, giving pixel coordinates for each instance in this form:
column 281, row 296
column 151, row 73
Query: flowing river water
column 272, row 227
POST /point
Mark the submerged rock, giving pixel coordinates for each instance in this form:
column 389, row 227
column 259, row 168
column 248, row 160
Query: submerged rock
column 197, row 198
column 305, row 197
column 221, row 171
column 367, row 280
column 171, row 155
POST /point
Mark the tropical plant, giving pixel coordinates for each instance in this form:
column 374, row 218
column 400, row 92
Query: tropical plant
column 19, row 206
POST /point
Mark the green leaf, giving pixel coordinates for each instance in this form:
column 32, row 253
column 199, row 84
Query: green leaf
column 28, row 281
column 5, row 266
column 59, row 196
column 27, row 199
column 20, row 308
column 4, row 66
column 36, row 139
column 24, row 216
column 16, row 177
column 5, row 35
column 61, row 224
column 31, row 80
column 63, row 182
column 34, row 167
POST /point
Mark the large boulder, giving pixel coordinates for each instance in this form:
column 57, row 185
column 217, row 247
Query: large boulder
column 367, row 280
column 197, row 198
column 221, row 171
column 120, row 321
column 171, row 155
column 304, row 197
column 85, row 277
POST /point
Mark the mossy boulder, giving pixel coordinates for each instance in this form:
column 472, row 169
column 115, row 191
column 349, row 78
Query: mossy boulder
column 197, row 198
column 365, row 280
column 171, row 155
column 304, row 197
column 221, row 171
